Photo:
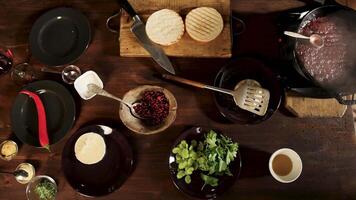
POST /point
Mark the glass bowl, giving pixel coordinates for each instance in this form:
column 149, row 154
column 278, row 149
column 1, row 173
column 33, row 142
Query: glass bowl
column 30, row 190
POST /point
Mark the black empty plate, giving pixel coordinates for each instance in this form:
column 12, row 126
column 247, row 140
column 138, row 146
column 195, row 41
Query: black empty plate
column 194, row 189
column 60, row 112
column 105, row 176
column 60, row 36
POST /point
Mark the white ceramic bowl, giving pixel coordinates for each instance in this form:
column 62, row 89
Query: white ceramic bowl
column 297, row 165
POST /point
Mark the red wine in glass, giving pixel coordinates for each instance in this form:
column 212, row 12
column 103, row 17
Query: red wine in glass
column 6, row 58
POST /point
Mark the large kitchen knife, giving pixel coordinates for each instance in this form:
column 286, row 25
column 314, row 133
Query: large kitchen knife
column 138, row 28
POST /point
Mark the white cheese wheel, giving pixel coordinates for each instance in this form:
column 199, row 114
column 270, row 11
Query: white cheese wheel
column 204, row 24
column 165, row 27
column 90, row 148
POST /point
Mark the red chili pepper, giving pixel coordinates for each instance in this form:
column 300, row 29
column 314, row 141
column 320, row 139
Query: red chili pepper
column 42, row 123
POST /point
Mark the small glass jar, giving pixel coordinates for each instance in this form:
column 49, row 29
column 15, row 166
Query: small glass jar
column 8, row 150
column 30, row 171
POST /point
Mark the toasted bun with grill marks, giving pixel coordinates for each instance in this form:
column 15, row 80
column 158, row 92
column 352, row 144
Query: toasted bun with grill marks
column 204, row 24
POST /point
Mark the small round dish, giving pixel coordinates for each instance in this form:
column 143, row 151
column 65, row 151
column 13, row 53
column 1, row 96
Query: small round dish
column 136, row 125
column 30, row 189
column 241, row 69
column 194, row 189
column 12, row 155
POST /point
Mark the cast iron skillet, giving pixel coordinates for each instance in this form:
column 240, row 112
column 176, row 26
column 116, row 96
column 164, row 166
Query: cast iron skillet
column 105, row 176
column 194, row 189
column 60, row 112
column 60, row 36
column 240, row 69
column 323, row 91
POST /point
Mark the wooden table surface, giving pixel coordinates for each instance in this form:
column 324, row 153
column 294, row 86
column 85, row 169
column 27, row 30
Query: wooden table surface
column 326, row 146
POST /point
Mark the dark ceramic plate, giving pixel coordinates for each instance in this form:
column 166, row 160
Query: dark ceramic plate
column 194, row 189
column 105, row 176
column 60, row 112
column 60, row 36
column 238, row 70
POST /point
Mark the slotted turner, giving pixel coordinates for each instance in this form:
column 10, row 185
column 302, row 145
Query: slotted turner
column 247, row 97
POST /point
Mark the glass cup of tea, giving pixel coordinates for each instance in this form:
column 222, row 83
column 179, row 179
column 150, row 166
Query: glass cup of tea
column 6, row 60
column 285, row 165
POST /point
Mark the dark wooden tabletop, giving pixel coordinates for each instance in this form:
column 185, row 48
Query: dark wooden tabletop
column 327, row 146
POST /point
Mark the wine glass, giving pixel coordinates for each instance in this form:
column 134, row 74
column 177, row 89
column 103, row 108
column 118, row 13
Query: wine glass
column 70, row 74
column 23, row 73
column 6, row 60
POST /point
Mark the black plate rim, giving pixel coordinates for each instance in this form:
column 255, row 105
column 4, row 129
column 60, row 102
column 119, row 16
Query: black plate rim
column 76, row 16
column 93, row 128
column 182, row 136
column 40, row 85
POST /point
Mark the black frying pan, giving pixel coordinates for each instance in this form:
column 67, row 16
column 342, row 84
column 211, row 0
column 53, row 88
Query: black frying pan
column 345, row 86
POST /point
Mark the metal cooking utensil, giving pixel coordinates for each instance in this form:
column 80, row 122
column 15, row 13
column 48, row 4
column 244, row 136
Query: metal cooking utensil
column 69, row 73
column 315, row 39
column 94, row 89
column 138, row 28
column 247, row 97
column 19, row 174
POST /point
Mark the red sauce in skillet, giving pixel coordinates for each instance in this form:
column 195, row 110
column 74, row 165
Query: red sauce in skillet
column 328, row 63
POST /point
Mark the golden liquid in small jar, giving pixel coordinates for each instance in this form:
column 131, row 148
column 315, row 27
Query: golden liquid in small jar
column 282, row 165
column 30, row 171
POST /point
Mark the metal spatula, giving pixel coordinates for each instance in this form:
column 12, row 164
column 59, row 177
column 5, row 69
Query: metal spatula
column 247, row 97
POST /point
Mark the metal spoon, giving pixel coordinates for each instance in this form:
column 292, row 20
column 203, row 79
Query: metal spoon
column 19, row 174
column 94, row 89
column 69, row 73
column 315, row 39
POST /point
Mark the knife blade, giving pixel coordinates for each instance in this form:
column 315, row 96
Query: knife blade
column 139, row 30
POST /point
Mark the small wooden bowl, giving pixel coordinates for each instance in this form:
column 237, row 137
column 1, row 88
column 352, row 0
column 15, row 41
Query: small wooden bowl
column 136, row 125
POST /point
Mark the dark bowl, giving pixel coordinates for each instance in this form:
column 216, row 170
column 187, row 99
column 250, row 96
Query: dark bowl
column 194, row 189
column 241, row 69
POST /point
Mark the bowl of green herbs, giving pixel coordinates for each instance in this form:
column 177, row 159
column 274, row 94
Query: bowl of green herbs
column 204, row 163
column 41, row 188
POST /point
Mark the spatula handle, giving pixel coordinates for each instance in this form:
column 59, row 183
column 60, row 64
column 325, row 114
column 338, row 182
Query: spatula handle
column 183, row 80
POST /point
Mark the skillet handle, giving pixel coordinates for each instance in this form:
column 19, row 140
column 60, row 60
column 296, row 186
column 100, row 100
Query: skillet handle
column 343, row 101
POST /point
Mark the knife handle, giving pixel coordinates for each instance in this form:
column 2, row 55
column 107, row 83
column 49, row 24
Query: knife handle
column 127, row 7
column 183, row 80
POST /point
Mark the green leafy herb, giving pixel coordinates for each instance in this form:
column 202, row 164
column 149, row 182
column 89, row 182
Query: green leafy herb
column 46, row 190
column 209, row 180
column 211, row 156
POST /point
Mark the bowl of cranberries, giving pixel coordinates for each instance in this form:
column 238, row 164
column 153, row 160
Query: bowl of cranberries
column 156, row 106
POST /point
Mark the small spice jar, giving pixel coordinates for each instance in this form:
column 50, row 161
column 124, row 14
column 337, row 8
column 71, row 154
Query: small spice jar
column 27, row 167
column 8, row 150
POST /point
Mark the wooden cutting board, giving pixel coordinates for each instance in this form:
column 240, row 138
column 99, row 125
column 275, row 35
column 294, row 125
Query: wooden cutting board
column 186, row 47
column 304, row 107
